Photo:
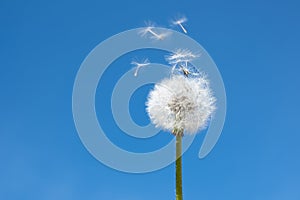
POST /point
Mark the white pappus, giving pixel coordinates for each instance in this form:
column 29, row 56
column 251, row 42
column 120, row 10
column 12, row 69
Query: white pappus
column 181, row 103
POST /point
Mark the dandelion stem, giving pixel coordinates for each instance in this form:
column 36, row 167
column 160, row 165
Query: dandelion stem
column 179, row 134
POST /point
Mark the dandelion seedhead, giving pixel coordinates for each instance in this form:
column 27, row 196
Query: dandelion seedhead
column 181, row 103
column 179, row 22
column 138, row 65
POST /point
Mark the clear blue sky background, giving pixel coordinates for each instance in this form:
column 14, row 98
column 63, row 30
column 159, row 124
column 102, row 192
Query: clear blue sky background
column 256, row 46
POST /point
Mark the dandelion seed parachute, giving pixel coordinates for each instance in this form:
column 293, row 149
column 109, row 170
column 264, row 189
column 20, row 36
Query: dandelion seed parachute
column 139, row 65
column 180, row 102
column 150, row 31
column 180, row 59
column 179, row 22
column 153, row 34
column 180, row 56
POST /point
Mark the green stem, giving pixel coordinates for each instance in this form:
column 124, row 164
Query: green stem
column 178, row 165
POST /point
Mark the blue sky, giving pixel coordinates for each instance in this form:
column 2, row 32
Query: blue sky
column 256, row 47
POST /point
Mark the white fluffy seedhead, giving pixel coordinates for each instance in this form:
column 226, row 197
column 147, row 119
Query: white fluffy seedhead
column 181, row 103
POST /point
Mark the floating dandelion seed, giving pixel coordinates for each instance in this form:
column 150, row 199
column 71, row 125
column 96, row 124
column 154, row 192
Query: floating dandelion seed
column 179, row 22
column 180, row 59
column 139, row 65
column 149, row 29
column 181, row 55
column 180, row 103
column 154, row 35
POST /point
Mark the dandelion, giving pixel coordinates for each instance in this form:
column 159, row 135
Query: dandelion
column 183, row 103
column 179, row 22
column 139, row 65
column 180, row 104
